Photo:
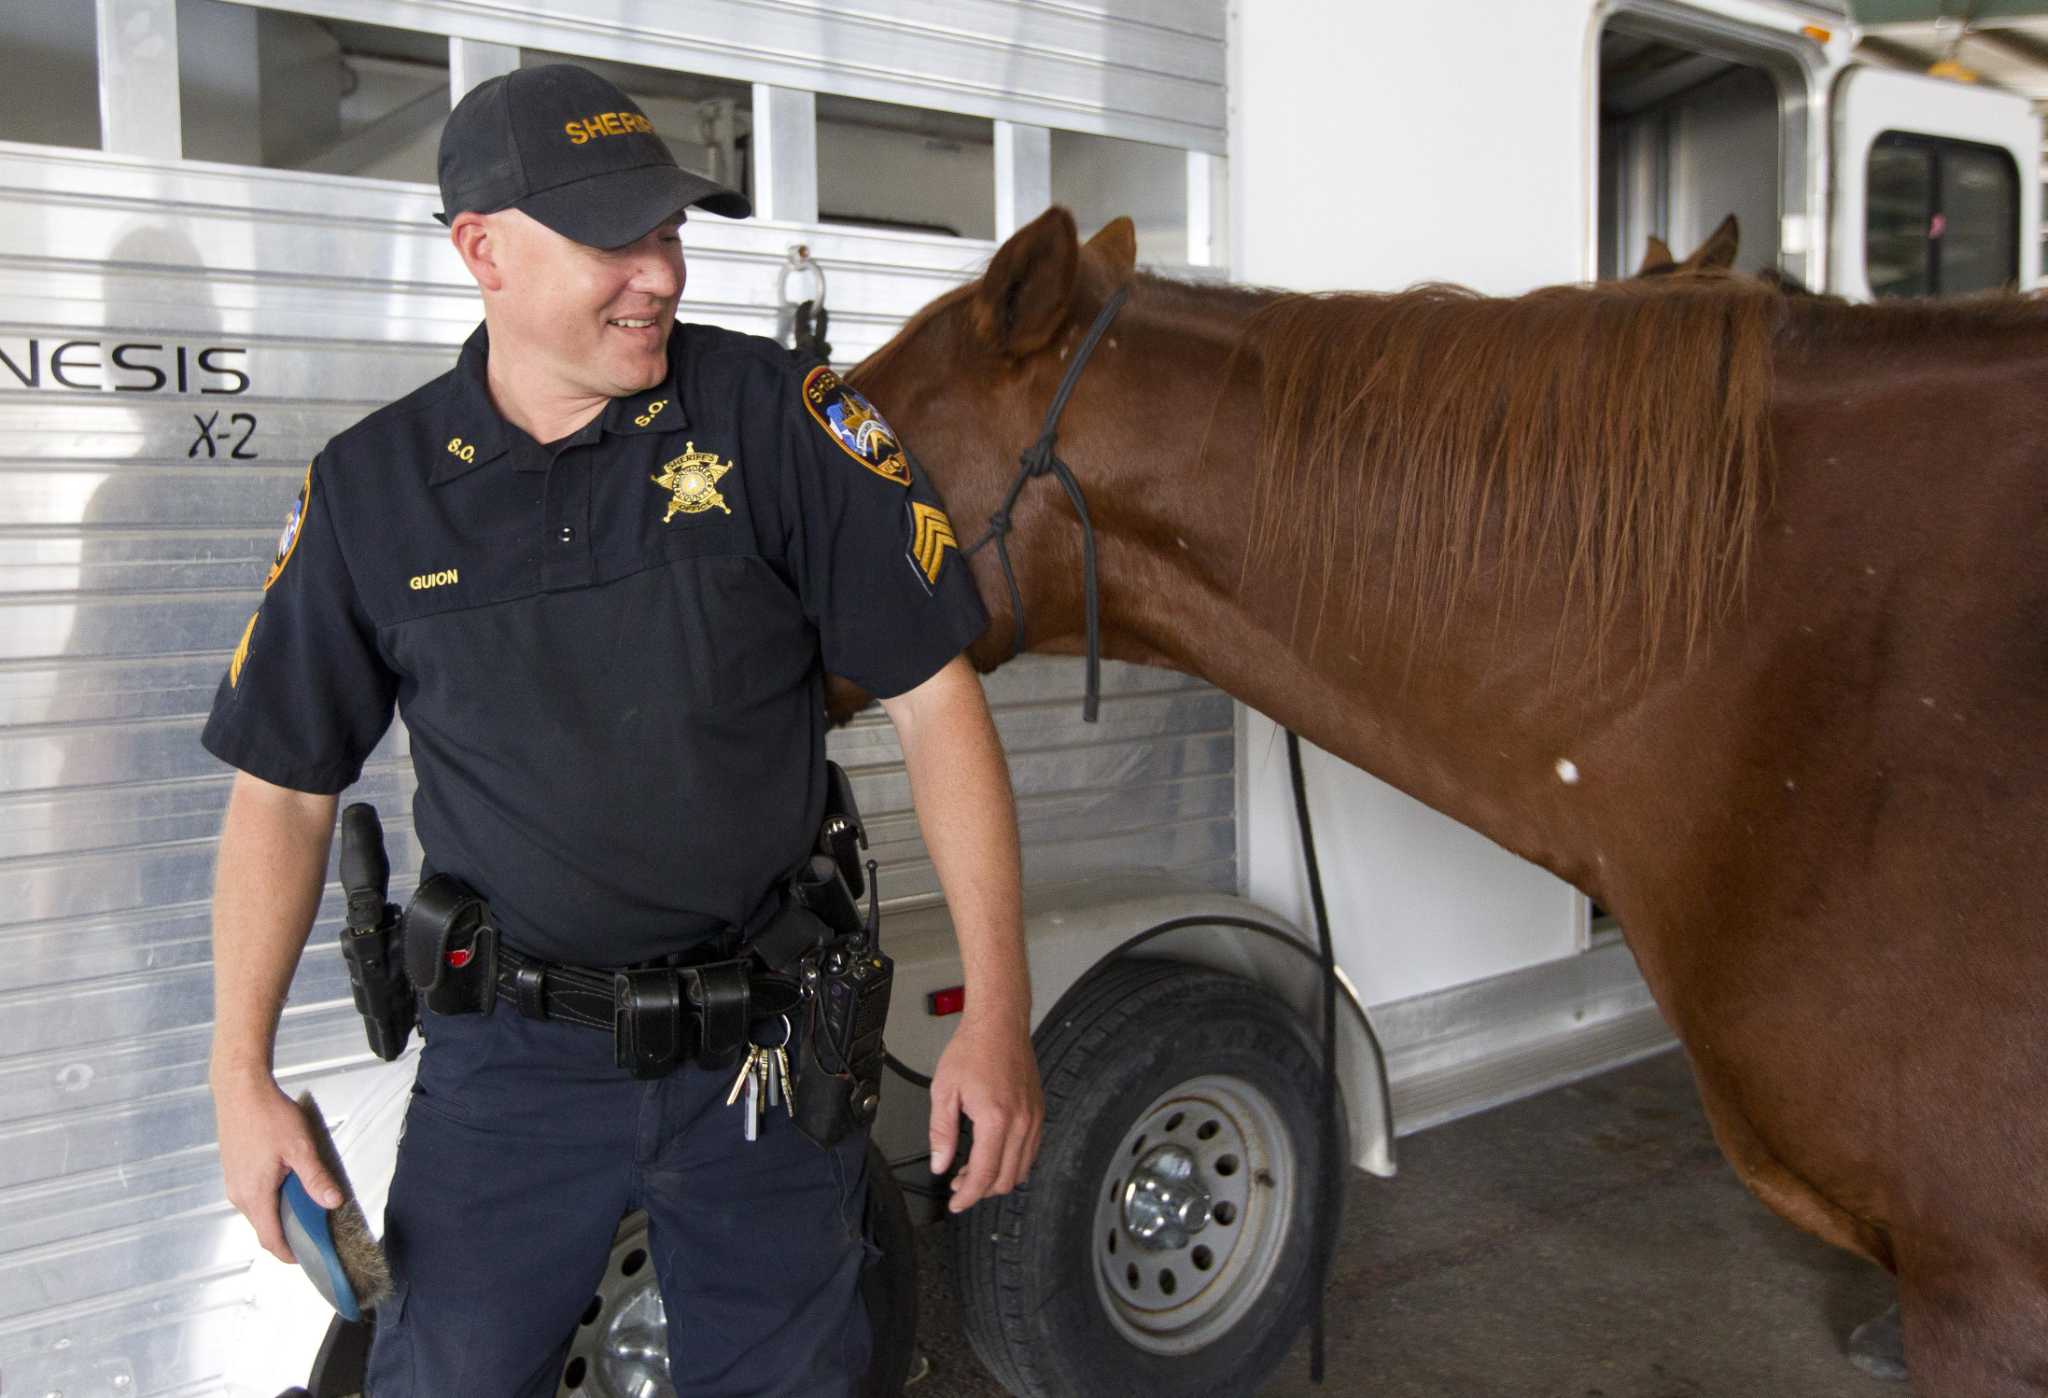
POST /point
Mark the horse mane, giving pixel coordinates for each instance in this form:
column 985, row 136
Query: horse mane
column 1613, row 435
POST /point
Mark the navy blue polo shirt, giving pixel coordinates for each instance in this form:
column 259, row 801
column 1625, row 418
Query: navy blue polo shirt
column 609, row 651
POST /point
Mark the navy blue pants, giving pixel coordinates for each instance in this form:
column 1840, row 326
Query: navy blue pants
column 524, row 1147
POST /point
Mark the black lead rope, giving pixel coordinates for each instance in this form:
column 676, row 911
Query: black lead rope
column 1329, row 1172
column 1042, row 458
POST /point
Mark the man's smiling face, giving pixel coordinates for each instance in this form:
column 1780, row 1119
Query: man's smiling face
column 594, row 321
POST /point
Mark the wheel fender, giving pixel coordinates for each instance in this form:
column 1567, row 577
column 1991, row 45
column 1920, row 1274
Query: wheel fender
column 1239, row 938
column 1073, row 931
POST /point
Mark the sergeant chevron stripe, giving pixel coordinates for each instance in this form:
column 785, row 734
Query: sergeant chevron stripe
column 931, row 536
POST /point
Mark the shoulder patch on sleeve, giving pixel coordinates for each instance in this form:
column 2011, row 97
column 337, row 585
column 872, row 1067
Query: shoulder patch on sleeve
column 288, row 537
column 852, row 422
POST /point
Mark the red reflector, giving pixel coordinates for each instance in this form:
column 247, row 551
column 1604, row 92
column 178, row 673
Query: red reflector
column 459, row 958
column 947, row 1002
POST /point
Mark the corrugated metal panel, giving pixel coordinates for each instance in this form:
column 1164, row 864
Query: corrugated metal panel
column 1143, row 70
column 130, row 551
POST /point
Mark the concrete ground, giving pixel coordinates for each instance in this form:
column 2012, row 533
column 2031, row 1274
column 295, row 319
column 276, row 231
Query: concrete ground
column 1587, row 1243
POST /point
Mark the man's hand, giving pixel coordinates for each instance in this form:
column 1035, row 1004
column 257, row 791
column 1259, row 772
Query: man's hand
column 273, row 862
column 261, row 1136
column 988, row 1073
column 962, row 793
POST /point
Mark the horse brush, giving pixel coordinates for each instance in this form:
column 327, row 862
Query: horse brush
column 335, row 1247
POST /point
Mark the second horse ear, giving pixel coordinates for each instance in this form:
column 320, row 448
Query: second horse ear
column 1656, row 257
column 1023, row 298
column 1717, row 253
column 1116, row 246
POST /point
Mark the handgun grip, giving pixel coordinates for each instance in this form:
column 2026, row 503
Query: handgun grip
column 365, row 870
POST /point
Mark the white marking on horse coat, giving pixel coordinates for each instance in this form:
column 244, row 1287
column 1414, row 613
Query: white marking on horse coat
column 1567, row 771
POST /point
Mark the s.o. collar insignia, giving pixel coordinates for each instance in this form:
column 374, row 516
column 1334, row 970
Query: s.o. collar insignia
column 288, row 537
column 853, row 423
column 691, row 480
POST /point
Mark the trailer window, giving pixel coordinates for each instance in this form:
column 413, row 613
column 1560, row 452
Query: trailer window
column 1943, row 216
column 885, row 166
column 1101, row 178
column 49, row 75
column 291, row 92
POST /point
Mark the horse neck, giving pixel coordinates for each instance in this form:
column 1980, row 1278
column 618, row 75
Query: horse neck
column 1467, row 715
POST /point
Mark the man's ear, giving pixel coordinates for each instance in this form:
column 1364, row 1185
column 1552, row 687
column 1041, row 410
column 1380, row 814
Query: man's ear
column 1116, row 247
column 478, row 244
column 1023, row 298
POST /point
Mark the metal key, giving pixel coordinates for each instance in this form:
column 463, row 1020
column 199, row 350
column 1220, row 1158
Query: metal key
column 746, row 1075
column 773, row 1072
column 750, row 1107
column 782, row 1071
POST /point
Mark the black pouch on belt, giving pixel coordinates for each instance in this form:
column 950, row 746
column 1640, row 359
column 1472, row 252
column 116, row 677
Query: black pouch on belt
column 652, row 1029
column 839, row 1064
column 815, row 906
column 451, row 947
column 841, row 837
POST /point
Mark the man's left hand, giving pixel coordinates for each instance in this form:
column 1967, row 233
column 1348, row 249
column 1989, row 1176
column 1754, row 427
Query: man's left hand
column 989, row 1073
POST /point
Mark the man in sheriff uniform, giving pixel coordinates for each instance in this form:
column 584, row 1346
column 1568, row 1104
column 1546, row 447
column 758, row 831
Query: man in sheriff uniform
column 602, row 567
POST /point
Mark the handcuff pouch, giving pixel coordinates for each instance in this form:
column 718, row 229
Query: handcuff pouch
column 451, row 947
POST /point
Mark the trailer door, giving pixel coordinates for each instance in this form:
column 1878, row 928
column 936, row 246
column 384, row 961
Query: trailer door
column 1937, row 189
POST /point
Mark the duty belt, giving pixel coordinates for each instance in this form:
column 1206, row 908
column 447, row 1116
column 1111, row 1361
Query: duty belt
column 658, row 1016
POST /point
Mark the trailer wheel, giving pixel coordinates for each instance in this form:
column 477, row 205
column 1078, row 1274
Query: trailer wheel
column 1164, row 1243
column 620, row 1348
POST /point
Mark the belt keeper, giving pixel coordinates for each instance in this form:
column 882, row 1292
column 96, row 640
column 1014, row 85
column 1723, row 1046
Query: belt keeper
column 529, row 984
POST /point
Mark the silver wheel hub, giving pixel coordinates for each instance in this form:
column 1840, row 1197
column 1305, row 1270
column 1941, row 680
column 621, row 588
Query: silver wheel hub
column 1192, row 1212
column 632, row 1356
column 620, row 1348
column 1165, row 1201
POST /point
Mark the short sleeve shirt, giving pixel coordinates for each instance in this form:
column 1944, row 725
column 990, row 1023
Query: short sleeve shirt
column 609, row 652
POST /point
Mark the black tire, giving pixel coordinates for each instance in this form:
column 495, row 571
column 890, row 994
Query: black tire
column 889, row 1287
column 344, row 1356
column 1041, row 1299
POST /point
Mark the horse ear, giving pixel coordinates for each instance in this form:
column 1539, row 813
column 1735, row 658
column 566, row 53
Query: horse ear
column 1023, row 297
column 1117, row 244
column 1656, row 257
column 1717, row 253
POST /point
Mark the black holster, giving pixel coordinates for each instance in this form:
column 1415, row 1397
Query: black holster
column 370, row 941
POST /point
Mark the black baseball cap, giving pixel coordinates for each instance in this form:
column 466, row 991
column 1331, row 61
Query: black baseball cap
column 564, row 146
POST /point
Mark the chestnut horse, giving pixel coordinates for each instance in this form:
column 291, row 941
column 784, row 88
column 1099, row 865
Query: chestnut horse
column 1727, row 607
